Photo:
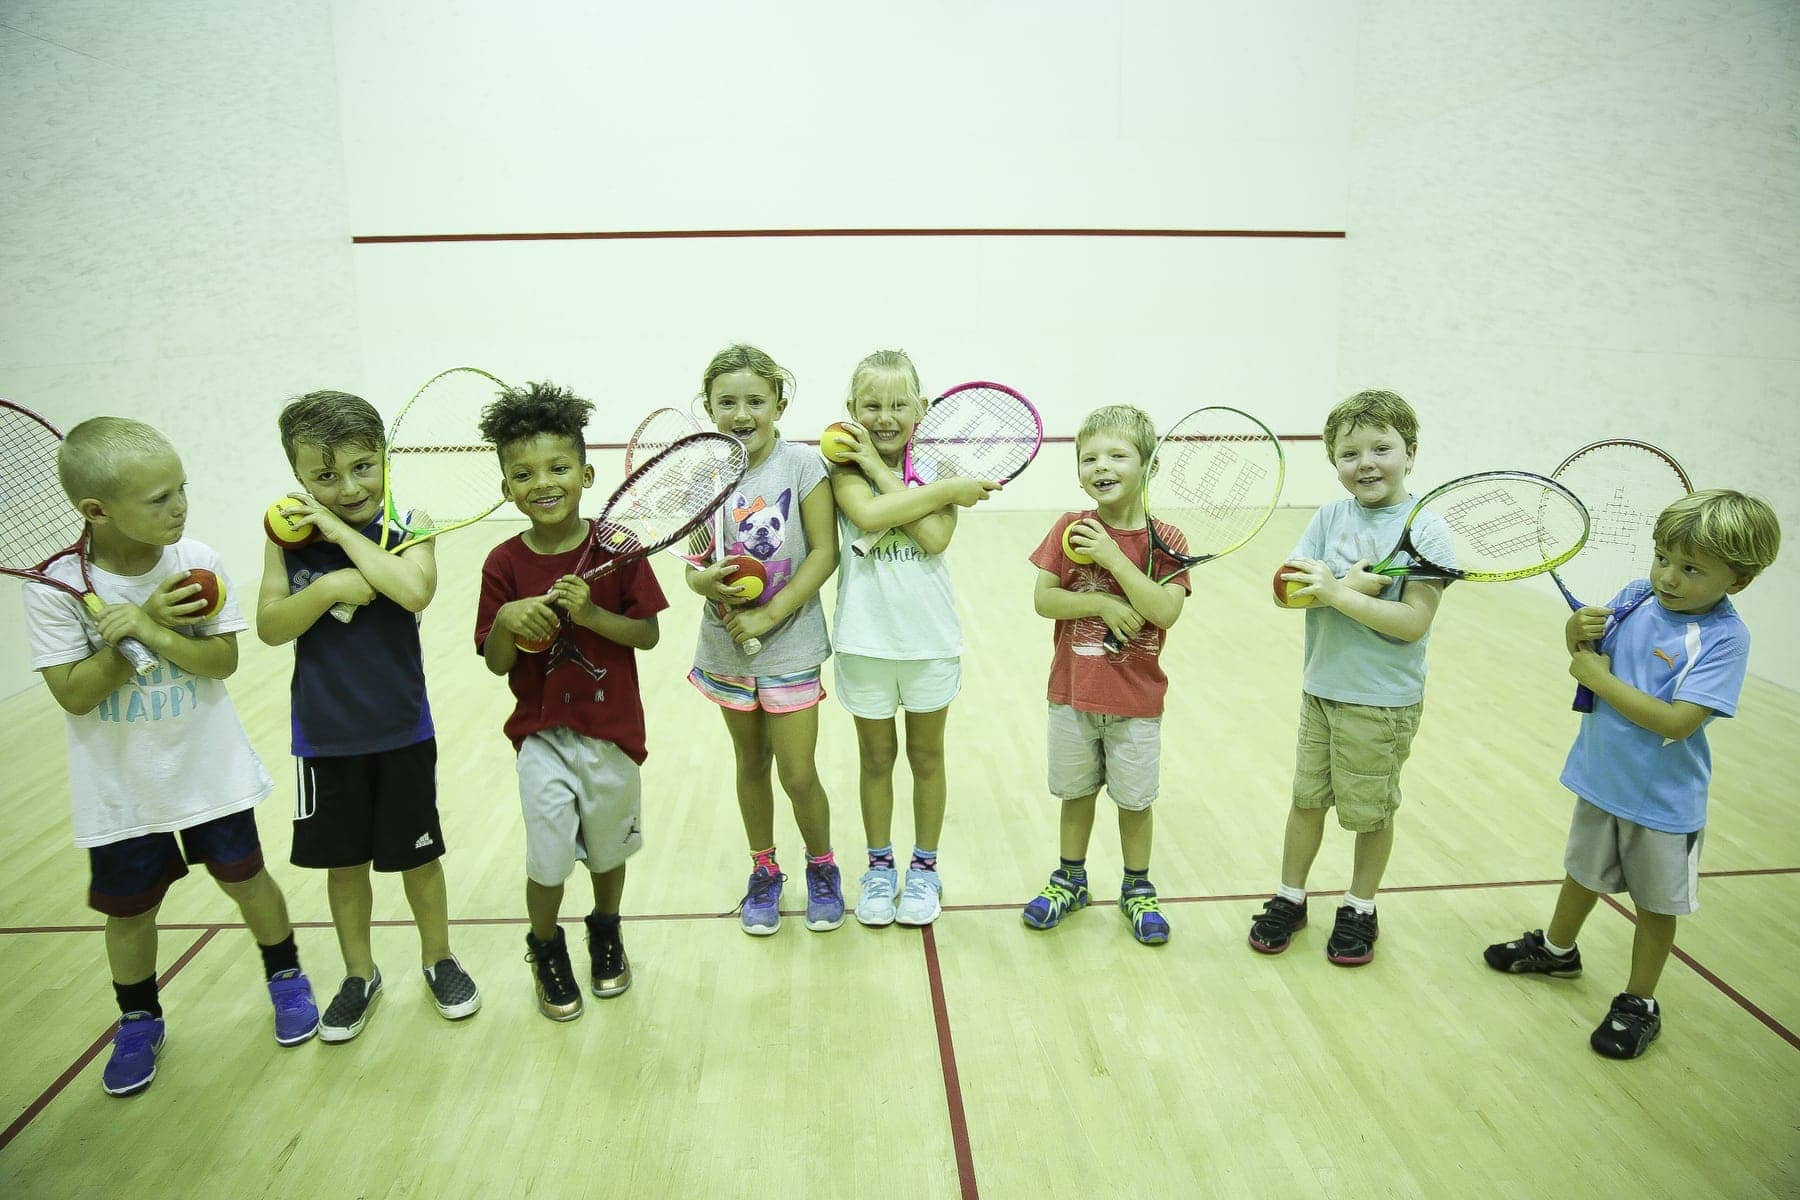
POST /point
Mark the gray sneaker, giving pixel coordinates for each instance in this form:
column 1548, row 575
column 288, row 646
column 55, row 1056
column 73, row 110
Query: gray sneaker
column 349, row 1009
column 875, row 907
column 922, row 899
column 452, row 990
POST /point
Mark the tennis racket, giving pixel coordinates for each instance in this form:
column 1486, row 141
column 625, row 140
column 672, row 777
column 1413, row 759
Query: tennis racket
column 976, row 430
column 438, row 463
column 1488, row 528
column 1218, row 473
column 37, row 524
column 1625, row 485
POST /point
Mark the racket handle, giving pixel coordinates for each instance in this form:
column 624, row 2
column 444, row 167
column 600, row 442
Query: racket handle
column 343, row 611
column 1584, row 700
column 130, row 649
column 866, row 542
column 1112, row 643
column 753, row 647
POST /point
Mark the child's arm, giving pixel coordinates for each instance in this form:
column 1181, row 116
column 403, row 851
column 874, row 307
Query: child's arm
column 80, row 686
column 1060, row 604
column 572, row 594
column 157, row 624
column 1405, row 620
column 530, row 619
column 408, row 579
column 875, row 498
column 1158, row 603
column 1672, row 719
column 818, row 516
column 282, row 616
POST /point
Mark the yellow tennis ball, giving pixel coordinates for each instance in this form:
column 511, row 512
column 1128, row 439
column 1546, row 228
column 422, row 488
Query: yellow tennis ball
column 837, row 443
column 1285, row 584
column 748, row 576
column 1079, row 557
column 282, row 531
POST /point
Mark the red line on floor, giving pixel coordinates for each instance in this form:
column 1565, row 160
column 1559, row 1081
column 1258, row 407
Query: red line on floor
column 959, row 1125
column 638, row 235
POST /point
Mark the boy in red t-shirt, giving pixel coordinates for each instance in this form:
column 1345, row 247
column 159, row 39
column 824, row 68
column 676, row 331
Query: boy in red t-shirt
column 1106, row 707
column 566, row 650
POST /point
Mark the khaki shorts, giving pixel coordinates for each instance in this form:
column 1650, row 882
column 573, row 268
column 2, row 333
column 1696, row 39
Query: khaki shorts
column 1089, row 749
column 1350, row 755
column 580, row 800
column 1610, row 854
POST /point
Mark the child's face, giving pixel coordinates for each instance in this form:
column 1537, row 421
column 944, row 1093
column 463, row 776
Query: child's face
column 745, row 405
column 544, row 477
column 889, row 411
column 345, row 479
column 1687, row 580
column 148, row 504
column 1372, row 463
column 1111, row 469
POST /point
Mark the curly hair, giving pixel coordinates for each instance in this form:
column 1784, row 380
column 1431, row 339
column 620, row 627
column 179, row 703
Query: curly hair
column 534, row 409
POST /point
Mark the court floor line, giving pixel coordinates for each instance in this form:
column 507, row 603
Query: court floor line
column 940, row 1014
column 631, row 235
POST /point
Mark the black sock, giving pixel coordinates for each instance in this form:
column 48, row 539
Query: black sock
column 603, row 920
column 282, row 956
column 138, row 997
column 1075, row 869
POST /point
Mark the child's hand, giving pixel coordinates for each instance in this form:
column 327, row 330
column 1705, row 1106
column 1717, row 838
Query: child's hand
column 969, row 492
column 527, row 620
column 1586, row 624
column 1588, row 666
column 116, row 622
column 863, row 453
column 572, row 594
column 175, row 602
column 1361, row 580
column 347, row 585
column 1316, row 580
column 712, row 583
column 1121, row 619
column 1090, row 536
column 746, row 623
column 303, row 510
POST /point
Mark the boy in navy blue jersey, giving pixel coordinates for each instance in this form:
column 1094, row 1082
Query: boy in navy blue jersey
column 365, row 749
column 1640, row 764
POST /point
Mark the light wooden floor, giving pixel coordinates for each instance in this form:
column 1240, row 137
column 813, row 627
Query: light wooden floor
column 978, row 1058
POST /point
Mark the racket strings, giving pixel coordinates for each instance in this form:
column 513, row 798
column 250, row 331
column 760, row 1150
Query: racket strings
column 1512, row 526
column 439, row 463
column 670, row 493
column 36, row 519
column 1625, row 486
column 660, row 430
column 979, row 433
column 1218, row 487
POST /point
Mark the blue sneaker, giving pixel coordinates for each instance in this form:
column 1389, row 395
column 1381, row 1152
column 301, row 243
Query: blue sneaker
column 824, row 897
column 1060, row 897
column 296, row 1016
column 762, row 903
column 875, row 907
column 135, row 1047
column 922, row 899
column 1144, row 914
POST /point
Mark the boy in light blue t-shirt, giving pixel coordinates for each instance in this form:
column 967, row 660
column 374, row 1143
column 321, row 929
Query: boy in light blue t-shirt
column 1640, row 764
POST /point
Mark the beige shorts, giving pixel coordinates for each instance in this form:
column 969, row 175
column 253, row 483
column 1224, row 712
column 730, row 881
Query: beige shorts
column 1350, row 755
column 1089, row 749
column 1609, row 854
column 580, row 799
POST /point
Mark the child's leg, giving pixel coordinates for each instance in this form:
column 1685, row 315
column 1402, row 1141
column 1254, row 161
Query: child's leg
column 1370, row 861
column 131, row 947
column 1135, row 829
column 925, row 757
column 264, row 907
column 1650, row 947
column 794, row 739
column 755, row 790
column 1077, row 827
column 430, row 904
column 878, row 747
column 609, row 890
column 1573, row 904
column 1300, row 844
column 542, row 904
column 352, row 901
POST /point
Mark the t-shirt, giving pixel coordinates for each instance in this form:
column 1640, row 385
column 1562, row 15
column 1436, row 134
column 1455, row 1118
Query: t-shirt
column 1618, row 765
column 895, row 602
column 165, row 751
column 1083, row 673
column 583, row 682
column 1344, row 659
column 762, row 519
column 358, row 686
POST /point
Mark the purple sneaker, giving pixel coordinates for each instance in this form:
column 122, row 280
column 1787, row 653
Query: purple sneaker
column 135, row 1047
column 296, row 1016
column 824, row 897
column 762, row 903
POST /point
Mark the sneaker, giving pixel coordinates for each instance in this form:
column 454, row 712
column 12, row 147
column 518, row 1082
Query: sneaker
column 1274, row 927
column 452, row 990
column 923, row 898
column 875, row 907
column 349, row 1010
column 1144, row 914
column 558, row 996
column 1629, row 1028
column 296, row 1013
column 1352, row 941
column 1060, row 897
column 824, row 897
column 1529, row 956
column 612, row 970
column 135, row 1047
column 761, row 906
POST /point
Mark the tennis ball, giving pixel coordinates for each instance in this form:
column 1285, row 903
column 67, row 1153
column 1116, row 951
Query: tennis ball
column 1079, row 557
column 212, row 590
column 838, row 442
column 282, row 531
column 1284, row 588
column 748, row 575
column 534, row 647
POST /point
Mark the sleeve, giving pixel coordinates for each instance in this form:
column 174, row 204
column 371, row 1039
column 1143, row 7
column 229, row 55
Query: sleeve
column 56, row 627
column 1715, row 678
column 230, row 618
column 1049, row 554
column 643, row 594
column 497, row 588
column 1312, row 542
column 809, row 472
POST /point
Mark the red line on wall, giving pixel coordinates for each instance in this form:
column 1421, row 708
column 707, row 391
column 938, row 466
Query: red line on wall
column 639, row 235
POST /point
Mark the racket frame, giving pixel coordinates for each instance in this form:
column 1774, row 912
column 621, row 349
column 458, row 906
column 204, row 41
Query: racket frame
column 1425, row 570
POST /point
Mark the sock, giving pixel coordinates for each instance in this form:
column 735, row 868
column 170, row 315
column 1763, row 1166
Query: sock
column 924, row 860
column 764, row 860
column 604, row 920
column 1649, row 1002
column 881, row 858
column 1075, row 869
column 1292, row 895
column 1559, row 951
column 139, row 997
column 282, row 956
column 1132, row 878
column 1365, row 907
column 827, row 859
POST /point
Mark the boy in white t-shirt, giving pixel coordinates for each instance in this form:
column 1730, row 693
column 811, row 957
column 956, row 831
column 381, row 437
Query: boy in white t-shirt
column 155, row 755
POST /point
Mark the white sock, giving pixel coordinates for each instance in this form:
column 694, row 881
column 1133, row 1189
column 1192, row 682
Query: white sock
column 1559, row 951
column 1365, row 907
column 1292, row 895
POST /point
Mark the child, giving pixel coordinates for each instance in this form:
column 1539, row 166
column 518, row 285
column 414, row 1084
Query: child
column 163, row 754
column 363, row 741
column 577, row 721
column 1106, row 709
column 1363, row 680
column 781, row 515
column 1640, row 764
column 897, row 636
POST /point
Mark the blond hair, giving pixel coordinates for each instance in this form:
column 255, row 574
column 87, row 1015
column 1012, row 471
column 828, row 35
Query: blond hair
column 1740, row 531
column 1372, row 409
column 742, row 357
column 883, row 372
column 1129, row 421
column 96, row 452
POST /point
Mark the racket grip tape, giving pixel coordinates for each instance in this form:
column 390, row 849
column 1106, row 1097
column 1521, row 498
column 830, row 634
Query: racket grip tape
column 1584, row 700
column 133, row 651
column 343, row 610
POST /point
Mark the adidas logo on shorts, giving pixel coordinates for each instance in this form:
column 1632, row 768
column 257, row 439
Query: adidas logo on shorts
column 424, row 841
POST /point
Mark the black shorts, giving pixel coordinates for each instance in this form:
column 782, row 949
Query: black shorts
column 358, row 808
column 129, row 878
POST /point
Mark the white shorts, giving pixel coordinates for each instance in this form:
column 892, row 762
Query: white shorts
column 876, row 688
column 1089, row 749
column 1609, row 854
column 580, row 799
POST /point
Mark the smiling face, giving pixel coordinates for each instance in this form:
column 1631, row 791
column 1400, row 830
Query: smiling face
column 1687, row 580
column 745, row 405
column 1111, row 470
column 888, row 405
column 544, row 477
column 148, row 503
column 347, row 479
column 1372, row 463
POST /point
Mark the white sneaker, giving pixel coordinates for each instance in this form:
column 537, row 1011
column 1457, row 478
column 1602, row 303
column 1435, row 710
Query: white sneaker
column 921, row 901
column 875, row 907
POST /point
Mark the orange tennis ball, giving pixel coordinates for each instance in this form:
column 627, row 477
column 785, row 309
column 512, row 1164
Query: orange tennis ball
column 212, row 590
column 1284, row 589
column 283, row 532
column 838, row 442
column 534, row 647
column 748, row 575
column 1080, row 557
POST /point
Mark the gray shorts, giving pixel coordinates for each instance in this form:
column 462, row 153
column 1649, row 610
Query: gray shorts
column 1350, row 755
column 1090, row 749
column 580, row 800
column 1610, row 854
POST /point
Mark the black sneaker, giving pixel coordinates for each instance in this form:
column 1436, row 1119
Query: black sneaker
column 1629, row 1028
column 1527, row 955
column 1352, row 941
column 1275, row 926
column 452, row 990
column 558, row 996
column 349, row 1010
column 612, row 970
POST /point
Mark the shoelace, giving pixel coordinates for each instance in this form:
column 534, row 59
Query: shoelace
column 1058, row 895
column 878, row 883
column 819, row 885
column 555, row 970
column 763, row 886
column 916, row 887
column 1139, row 903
